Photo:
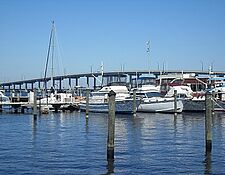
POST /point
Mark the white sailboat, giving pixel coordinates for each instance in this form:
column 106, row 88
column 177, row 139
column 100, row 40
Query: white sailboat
column 54, row 99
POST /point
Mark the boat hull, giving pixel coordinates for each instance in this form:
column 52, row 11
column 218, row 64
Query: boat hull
column 199, row 105
column 124, row 106
column 162, row 106
column 193, row 106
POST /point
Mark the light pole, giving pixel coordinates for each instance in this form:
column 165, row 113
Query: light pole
column 212, row 65
column 148, row 52
column 202, row 65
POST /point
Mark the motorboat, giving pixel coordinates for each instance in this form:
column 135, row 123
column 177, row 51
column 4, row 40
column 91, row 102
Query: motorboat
column 98, row 101
column 153, row 101
column 192, row 101
column 4, row 101
column 195, row 101
column 3, row 98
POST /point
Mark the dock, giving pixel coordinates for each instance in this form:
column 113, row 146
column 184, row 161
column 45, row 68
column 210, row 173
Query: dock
column 21, row 107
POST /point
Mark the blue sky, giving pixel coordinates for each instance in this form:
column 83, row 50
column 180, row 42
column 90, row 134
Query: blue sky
column 183, row 34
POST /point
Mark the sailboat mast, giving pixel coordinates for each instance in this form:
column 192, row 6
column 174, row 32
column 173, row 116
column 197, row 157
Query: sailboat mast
column 47, row 59
column 52, row 56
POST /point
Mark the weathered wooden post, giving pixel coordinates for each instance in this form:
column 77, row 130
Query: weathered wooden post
column 208, row 163
column 111, row 126
column 87, row 102
column 35, row 105
column 1, row 104
column 213, row 101
column 134, row 102
column 208, row 122
column 40, row 96
column 22, row 109
column 175, row 102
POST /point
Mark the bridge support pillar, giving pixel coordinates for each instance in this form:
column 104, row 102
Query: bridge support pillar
column 130, row 80
column 88, row 81
column 70, row 82
column 76, row 81
column 94, row 83
column 39, row 85
column 60, row 84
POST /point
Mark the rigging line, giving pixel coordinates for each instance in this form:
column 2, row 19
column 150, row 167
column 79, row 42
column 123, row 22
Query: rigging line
column 52, row 56
column 47, row 59
column 60, row 59
column 96, row 78
column 217, row 104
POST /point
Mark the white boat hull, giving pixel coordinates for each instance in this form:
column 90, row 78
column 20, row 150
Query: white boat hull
column 160, row 106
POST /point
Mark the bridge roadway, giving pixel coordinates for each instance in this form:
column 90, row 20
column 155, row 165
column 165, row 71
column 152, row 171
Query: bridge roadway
column 96, row 74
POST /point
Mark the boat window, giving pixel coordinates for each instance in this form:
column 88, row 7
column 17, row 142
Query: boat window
column 139, row 94
column 153, row 94
column 97, row 94
column 58, row 97
column 182, row 96
column 4, row 99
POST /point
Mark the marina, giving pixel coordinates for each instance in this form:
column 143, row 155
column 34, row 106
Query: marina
column 180, row 140
column 129, row 88
column 153, row 94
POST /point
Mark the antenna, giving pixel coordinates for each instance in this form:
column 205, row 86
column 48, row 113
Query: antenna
column 102, row 70
column 148, row 52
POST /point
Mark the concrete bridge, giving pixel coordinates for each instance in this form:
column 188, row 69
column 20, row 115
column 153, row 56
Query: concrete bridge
column 42, row 82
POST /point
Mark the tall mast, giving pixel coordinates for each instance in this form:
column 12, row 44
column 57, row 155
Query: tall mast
column 48, row 55
column 53, row 42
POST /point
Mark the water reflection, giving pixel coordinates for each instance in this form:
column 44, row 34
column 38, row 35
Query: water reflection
column 175, row 123
column 110, row 167
column 34, row 128
column 208, row 163
column 86, row 125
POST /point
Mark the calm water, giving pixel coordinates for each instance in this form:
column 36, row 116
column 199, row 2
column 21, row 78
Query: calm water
column 65, row 143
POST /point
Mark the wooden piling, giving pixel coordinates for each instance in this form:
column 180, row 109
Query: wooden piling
column 175, row 102
column 87, row 102
column 1, row 104
column 39, row 104
column 111, row 126
column 35, row 104
column 208, row 121
column 213, row 102
column 22, row 109
column 134, row 102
